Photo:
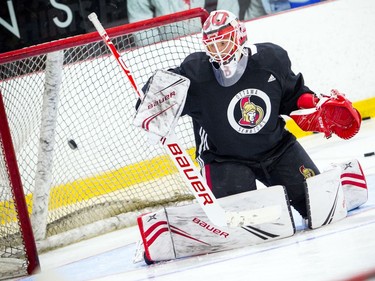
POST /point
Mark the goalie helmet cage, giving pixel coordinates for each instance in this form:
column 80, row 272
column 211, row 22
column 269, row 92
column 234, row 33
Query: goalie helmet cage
column 85, row 169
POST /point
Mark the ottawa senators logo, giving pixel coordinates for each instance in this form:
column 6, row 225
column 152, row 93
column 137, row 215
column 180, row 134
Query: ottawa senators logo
column 306, row 172
column 252, row 114
column 249, row 111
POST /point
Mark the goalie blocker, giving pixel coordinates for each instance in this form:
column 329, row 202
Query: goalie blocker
column 176, row 232
column 162, row 104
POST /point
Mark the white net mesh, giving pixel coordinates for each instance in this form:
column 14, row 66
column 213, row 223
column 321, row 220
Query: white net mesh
column 103, row 167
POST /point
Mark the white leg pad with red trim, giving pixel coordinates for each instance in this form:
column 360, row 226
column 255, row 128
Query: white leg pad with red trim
column 354, row 184
column 325, row 199
column 332, row 194
column 176, row 232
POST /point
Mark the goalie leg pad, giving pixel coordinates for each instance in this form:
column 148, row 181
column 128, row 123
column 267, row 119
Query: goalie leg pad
column 177, row 232
column 353, row 183
column 325, row 199
column 156, row 236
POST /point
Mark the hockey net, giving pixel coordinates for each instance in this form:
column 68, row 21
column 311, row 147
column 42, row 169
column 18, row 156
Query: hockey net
column 85, row 169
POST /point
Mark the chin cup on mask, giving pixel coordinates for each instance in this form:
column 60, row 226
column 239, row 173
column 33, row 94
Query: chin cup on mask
column 229, row 73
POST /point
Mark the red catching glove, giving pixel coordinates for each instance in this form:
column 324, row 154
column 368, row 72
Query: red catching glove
column 329, row 114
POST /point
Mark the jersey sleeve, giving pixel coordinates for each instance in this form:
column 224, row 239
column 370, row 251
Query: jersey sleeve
column 195, row 68
column 293, row 85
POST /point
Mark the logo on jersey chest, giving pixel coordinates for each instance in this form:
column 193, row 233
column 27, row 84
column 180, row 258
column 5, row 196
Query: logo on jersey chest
column 249, row 111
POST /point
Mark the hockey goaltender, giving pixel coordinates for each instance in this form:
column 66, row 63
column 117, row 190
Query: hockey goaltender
column 236, row 92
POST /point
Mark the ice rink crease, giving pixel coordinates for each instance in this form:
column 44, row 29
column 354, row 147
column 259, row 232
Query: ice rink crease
column 335, row 252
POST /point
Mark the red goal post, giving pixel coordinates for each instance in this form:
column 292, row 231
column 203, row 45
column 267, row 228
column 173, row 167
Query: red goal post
column 85, row 169
column 18, row 249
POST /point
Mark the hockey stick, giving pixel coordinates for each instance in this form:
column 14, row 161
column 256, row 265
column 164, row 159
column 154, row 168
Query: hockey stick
column 186, row 167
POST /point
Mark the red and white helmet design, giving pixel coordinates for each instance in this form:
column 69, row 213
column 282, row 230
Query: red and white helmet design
column 223, row 36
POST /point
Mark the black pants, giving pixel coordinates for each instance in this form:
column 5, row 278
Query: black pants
column 290, row 169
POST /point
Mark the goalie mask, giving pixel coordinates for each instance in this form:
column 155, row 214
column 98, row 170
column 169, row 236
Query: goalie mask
column 224, row 37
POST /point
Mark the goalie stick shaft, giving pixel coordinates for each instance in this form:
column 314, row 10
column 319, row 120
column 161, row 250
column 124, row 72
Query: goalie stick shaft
column 99, row 27
column 194, row 180
column 186, row 167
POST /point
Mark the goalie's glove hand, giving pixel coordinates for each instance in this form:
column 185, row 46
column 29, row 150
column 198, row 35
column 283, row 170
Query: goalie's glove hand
column 328, row 114
column 338, row 115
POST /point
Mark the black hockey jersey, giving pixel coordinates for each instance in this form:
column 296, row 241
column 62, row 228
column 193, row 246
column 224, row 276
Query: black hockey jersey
column 242, row 122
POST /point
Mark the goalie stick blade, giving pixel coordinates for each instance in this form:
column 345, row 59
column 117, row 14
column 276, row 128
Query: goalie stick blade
column 253, row 217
